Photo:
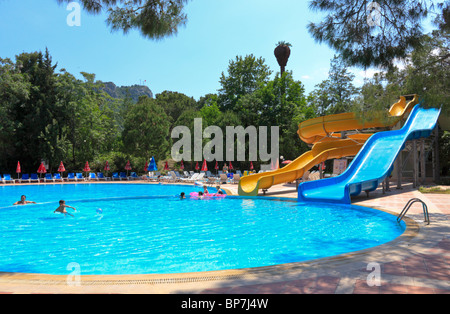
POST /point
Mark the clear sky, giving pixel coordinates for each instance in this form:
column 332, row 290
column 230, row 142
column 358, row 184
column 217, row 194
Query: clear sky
column 190, row 62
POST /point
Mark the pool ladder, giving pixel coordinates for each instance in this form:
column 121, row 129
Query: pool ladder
column 408, row 206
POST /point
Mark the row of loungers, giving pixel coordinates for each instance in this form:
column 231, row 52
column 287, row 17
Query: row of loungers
column 75, row 177
column 175, row 176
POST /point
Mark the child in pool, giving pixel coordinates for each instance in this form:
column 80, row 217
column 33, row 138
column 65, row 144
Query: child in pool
column 205, row 190
column 219, row 190
column 200, row 195
column 62, row 208
column 182, row 195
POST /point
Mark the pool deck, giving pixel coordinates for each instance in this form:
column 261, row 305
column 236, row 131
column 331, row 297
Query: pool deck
column 416, row 263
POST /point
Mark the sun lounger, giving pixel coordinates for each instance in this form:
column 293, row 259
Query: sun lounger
column 192, row 178
column 92, row 177
column 212, row 181
column 57, row 177
column 101, row 176
column 7, row 179
column 34, row 177
column 123, row 176
column 133, row 176
column 79, row 177
column 236, row 179
column 71, row 177
column 115, row 176
column 25, row 177
column 48, row 177
column 223, row 178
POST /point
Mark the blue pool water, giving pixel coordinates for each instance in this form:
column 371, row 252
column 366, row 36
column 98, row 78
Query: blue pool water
column 145, row 229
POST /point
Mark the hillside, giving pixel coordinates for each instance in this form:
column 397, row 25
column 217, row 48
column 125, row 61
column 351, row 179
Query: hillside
column 134, row 91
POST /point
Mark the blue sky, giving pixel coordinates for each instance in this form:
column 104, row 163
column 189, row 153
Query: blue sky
column 190, row 62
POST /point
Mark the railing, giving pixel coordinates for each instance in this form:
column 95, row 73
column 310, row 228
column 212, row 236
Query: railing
column 408, row 206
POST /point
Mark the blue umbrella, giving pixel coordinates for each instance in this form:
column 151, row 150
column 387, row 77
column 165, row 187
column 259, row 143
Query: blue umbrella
column 152, row 165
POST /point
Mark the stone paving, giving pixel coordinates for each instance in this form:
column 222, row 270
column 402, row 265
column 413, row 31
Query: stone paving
column 419, row 264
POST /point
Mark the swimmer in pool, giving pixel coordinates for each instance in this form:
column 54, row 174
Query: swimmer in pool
column 62, row 208
column 219, row 190
column 200, row 195
column 205, row 190
column 182, row 195
column 23, row 201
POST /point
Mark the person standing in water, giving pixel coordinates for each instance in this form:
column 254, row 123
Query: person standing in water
column 62, row 208
column 23, row 201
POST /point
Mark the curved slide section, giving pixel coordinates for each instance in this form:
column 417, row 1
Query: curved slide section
column 328, row 145
column 373, row 163
column 314, row 130
column 250, row 185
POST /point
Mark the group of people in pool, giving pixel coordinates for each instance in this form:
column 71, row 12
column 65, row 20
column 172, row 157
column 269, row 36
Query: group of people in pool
column 205, row 191
column 61, row 209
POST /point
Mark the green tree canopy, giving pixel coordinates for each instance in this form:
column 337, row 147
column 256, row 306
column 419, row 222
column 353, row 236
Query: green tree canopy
column 375, row 33
column 155, row 19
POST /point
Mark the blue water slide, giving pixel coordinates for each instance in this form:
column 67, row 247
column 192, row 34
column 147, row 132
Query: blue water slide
column 374, row 162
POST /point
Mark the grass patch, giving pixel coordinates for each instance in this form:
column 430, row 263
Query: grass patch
column 435, row 190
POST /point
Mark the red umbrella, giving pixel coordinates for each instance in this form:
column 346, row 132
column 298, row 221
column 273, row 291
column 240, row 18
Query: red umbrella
column 86, row 168
column 128, row 167
column 251, row 165
column 231, row 166
column 182, row 165
column 107, row 166
column 146, row 166
column 61, row 167
column 42, row 169
column 18, row 169
column 197, row 167
column 204, row 166
column 166, row 167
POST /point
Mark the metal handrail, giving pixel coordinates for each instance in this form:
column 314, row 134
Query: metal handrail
column 408, row 206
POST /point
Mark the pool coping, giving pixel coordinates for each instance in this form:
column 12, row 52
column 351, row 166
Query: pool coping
column 172, row 282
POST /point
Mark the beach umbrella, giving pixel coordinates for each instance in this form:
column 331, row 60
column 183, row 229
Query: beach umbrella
column 128, row 167
column 230, row 166
column 41, row 169
column 251, row 165
column 204, row 166
column 86, row 168
column 18, row 169
column 197, row 167
column 152, row 165
column 217, row 166
column 146, row 166
column 166, row 166
column 182, row 165
column 61, row 168
column 107, row 166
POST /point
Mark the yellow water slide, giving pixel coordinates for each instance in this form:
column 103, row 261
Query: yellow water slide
column 328, row 144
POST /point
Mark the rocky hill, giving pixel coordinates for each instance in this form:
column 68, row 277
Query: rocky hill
column 134, row 91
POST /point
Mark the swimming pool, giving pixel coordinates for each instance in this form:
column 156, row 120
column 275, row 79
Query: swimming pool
column 146, row 229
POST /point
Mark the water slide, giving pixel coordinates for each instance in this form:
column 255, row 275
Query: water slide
column 328, row 144
column 373, row 163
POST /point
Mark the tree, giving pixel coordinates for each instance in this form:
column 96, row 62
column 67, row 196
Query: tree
column 282, row 53
column 146, row 130
column 377, row 33
column 335, row 94
column 244, row 77
column 155, row 19
column 174, row 104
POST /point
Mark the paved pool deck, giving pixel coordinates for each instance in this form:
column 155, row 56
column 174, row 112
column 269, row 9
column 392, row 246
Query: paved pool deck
column 416, row 263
